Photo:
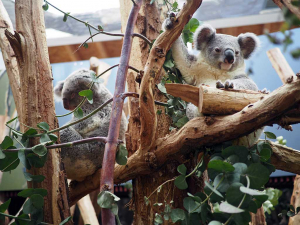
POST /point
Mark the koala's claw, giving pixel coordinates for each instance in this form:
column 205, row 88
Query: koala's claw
column 228, row 84
column 265, row 91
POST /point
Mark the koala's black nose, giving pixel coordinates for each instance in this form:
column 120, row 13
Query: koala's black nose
column 229, row 56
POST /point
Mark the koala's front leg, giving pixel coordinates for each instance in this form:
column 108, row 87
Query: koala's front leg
column 238, row 82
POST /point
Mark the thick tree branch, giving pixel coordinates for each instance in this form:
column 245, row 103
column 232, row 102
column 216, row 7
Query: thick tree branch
column 152, row 73
column 289, row 5
column 198, row 132
column 9, row 56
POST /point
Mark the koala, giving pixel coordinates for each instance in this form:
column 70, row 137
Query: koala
column 220, row 64
column 83, row 160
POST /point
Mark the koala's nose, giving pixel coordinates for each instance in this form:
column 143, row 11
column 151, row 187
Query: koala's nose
column 66, row 103
column 229, row 56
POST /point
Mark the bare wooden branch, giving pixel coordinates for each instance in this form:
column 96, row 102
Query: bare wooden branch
column 87, row 210
column 280, row 65
column 289, row 5
column 198, row 133
column 152, row 73
column 213, row 100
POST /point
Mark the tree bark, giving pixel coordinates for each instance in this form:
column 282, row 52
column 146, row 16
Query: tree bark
column 34, row 96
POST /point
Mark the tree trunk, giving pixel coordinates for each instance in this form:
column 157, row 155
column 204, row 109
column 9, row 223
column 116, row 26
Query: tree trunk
column 37, row 104
column 295, row 201
column 149, row 24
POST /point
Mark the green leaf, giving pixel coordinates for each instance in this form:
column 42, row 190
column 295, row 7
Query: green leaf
column 205, row 209
column 85, row 45
column 43, row 126
column 265, row 154
column 40, row 149
column 177, row 215
column 66, row 16
column 10, row 162
column 53, row 137
column 100, row 28
column 270, row 135
column 189, row 204
column 233, row 194
column 94, row 77
column 242, row 218
column 45, row 6
column 34, row 203
column 180, row 182
column 78, row 113
column 30, row 131
column 31, row 191
column 220, row 166
column 157, row 204
column 114, row 209
column 106, row 199
column 122, row 153
column 24, row 161
column 258, row 175
column 213, row 189
column 4, row 206
column 162, row 88
column 260, row 199
column 66, row 220
column 228, row 208
column 192, row 25
column 158, row 218
column 44, row 139
column 182, row 121
column 196, row 198
column 6, row 143
column 88, row 94
column 36, row 161
column 2, row 154
column 252, row 207
column 250, row 191
column 35, row 178
column 181, row 169
column 169, row 63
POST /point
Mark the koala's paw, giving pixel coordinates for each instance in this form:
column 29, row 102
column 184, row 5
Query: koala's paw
column 265, row 91
column 228, row 84
column 169, row 22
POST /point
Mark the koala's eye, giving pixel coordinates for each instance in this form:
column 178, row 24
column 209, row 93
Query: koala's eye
column 237, row 52
column 217, row 50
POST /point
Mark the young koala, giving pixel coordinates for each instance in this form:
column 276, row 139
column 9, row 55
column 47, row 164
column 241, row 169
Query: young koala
column 220, row 63
column 83, row 160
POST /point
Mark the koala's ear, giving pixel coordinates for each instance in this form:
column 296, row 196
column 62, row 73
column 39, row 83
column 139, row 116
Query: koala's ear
column 248, row 42
column 58, row 89
column 203, row 35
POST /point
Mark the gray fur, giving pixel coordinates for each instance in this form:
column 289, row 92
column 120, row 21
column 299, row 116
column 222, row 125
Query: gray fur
column 83, row 160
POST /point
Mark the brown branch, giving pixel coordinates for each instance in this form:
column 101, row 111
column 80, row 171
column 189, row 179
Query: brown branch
column 198, row 133
column 107, row 172
column 9, row 56
column 152, row 71
column 287, row 3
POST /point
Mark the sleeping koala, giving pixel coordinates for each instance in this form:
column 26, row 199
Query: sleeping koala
column 83, row 160
column 220, row 63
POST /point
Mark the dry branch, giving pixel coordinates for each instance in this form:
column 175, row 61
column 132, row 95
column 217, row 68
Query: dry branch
column 288, row 4
column 280, row 65
column 198, row 132
column 214, row 101
column 152, row 73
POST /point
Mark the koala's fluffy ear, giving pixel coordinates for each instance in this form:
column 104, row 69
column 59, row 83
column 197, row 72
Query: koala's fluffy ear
column 203, row 35
column 248, row 42
column 58, row 89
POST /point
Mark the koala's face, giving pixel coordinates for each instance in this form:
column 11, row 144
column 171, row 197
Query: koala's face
column 68, row 89
column 224, row 52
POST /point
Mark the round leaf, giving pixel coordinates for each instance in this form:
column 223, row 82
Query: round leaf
column 258, row 175
column 10, row 162
column 181, row 169
column 121, row 157
column 40, row 150
column 270, row 135
column 190, row 205
column 2, row 155
column 212, row 189
column 6, row 143
column 180, row 182
column 250, row 191
column 227, row 208
column 233, row 194
column 88, row 94
column 31, row 191
column 220, row 166
column 214, row 222
column 43, row 126
column 78, row 113
column 45, row 138
column 177, row 215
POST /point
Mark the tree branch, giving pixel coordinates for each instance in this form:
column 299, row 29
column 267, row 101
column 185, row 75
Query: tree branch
column 288, row 4
column 152, row 70
column 198, row 133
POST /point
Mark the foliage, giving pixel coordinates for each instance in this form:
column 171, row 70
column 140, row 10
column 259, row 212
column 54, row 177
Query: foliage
column 237, row 177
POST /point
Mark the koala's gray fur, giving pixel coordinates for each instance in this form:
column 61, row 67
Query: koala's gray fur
column 220, row 63
column 83, row 160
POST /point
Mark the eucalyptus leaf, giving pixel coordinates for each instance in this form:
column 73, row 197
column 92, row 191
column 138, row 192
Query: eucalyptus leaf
column 214, row 222
column 88, row 94
column 53, row 137
column 258, row 175
column 33, row 204
column 4, row 206
column 190, row 205
column 220, row 166
column 2, row 154
column 180, row 182
column 31, row 191
column 270, row 135
column 6, row 143
column 45, row 138
column 106, row 199
column 162, row 88
column 40, row 149
column 213, row 189
column 233, row 194
column 228, row 208
column 35, row 178
column 250, row 191
column 177, row 215
column 36, row 161
column 121, row 156
column 43, row 126
column 78, row 113
column 158, row 218
column 182, row 169
column 10, row 162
